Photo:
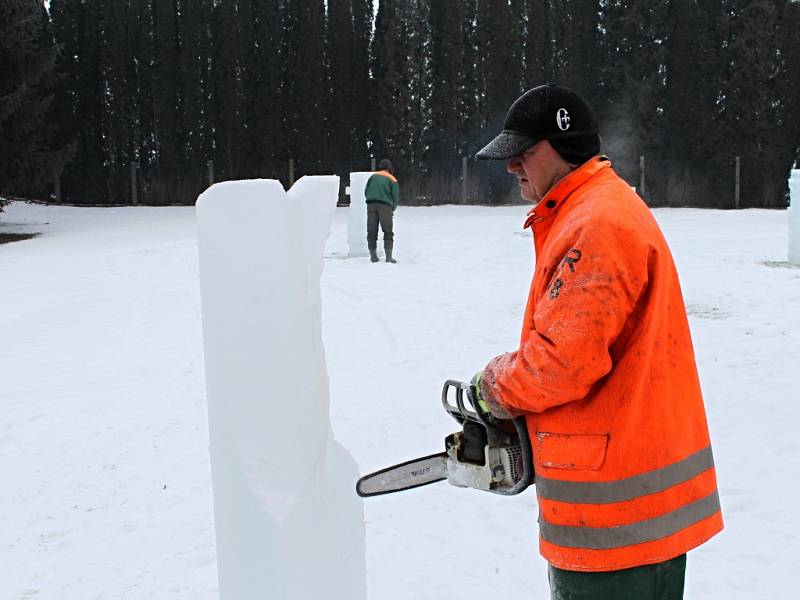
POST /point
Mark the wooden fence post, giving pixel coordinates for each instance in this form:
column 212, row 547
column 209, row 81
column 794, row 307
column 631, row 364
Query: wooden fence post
column 642, row 187
column 372, row 162
column 134, row 186
column 210, row 167
column 464, row 173
column 291, row 172
column 57, row 186
column 737, row 188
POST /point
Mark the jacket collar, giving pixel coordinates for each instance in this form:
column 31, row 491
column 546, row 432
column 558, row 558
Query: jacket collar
column 387, row 174
column 562, row 190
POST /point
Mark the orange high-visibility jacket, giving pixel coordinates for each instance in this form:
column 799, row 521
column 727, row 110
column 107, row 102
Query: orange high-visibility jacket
column 606, row 376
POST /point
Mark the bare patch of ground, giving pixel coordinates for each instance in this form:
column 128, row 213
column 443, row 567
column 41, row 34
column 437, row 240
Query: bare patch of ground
column 775, row 264
column 6, row 238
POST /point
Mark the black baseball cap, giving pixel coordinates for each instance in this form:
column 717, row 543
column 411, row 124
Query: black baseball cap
column 546, row 112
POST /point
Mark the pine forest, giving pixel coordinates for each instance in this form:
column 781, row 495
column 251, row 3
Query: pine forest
column 104, row 101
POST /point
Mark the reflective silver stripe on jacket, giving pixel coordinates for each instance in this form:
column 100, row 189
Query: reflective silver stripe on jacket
column 605, row 492
column 605, row 538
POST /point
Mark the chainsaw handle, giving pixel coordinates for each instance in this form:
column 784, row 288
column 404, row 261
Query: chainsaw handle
column 459, row 410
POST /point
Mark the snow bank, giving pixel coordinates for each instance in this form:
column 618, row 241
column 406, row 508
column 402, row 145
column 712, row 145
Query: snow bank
column 288, row 522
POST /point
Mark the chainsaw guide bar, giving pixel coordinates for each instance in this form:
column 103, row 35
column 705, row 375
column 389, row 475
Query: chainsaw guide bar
column 488, row 454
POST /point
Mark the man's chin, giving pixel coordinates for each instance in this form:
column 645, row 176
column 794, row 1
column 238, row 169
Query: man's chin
column 532, row 198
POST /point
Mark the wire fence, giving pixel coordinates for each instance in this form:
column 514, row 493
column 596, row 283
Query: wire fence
column 716, row 183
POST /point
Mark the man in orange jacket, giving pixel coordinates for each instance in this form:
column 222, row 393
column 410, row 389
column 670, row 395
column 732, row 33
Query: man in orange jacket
column 605, row 371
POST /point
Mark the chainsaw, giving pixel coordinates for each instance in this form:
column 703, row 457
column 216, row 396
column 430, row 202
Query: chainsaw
column 489, row 454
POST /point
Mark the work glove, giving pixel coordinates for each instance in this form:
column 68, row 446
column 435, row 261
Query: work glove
column 477, row 395
column 486, row 404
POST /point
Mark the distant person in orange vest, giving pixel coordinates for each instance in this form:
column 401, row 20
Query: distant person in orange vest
column 383, row 195
column 605, row 372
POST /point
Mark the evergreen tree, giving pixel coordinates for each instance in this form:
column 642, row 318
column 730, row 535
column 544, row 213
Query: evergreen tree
column 168, row 127
column 195, row 18
column 576, row 51
column 387, row 65
column 411, row 142
column 79, row 30
column 787, row 142
column 449, row 71
column 691, row 150
column 750, row 98
column 140, row 76
column 401, row 86
column 539, row 46
column 27, row 70
column 225, row 110
column 500, row 72
column 468, row 102
column 121, row 91
column 500, row 58
column 304, row 82
column 246, row 71
column 633, row 63
column 362, row 34
column 347, row 56
column 264, row 98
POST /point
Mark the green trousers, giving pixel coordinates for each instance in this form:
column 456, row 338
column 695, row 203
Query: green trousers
column 661, row 581
column 380, row 213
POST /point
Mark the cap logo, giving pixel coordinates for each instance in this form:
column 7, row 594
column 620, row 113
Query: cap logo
column 562, row 119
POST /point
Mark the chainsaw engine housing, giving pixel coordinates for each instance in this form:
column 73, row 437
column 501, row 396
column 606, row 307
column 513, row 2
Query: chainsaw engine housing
column 488, row 454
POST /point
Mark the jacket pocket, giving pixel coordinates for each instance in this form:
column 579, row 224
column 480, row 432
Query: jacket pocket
column 571, row 451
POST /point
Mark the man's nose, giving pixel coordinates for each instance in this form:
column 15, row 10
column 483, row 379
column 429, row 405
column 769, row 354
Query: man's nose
column 513, row 164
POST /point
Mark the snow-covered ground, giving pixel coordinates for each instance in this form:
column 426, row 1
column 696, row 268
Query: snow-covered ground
column 103, row 435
